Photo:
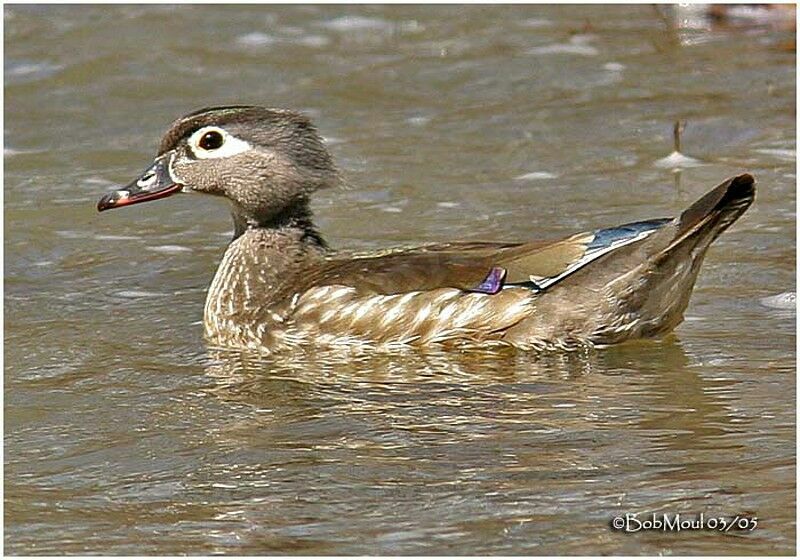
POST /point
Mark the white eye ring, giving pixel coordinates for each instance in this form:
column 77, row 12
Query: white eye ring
column 230, row 144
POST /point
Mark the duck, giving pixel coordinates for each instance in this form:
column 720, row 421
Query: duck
column 279, row 284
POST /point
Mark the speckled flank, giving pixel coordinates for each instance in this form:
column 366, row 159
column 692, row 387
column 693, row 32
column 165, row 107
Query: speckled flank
column 412, row 318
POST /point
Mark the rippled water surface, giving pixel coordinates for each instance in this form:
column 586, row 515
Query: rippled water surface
column 124, row 434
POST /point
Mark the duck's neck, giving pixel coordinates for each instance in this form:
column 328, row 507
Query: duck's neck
column 295, row 218
column 257, row 272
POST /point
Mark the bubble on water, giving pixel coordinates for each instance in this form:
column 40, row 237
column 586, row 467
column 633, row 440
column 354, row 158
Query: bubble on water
column 536, row 22
column 70, row 234
column 136, row 294
column 169, row 249
column 418, row 121
column 535, row 176
column 25, row 71
column 256, row 39
column 357, row 23
column 785, row 300
column 10, row 152
column 104, row 237
column 677, row 160
column 785, row 155
column 578, row 44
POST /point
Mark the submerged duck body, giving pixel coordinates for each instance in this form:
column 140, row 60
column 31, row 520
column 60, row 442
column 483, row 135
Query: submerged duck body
column 279, row 284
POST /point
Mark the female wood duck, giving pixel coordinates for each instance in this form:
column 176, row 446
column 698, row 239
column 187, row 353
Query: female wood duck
column 279, row 284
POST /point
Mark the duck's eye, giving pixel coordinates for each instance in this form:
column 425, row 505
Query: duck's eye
column 211, row 140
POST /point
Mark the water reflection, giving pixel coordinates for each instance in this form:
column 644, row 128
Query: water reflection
column 479, row 431
column 652, row 386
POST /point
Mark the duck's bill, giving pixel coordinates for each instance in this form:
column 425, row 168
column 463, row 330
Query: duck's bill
column 155, row 183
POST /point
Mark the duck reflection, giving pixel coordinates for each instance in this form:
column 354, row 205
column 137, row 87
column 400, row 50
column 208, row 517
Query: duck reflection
column 649, row 388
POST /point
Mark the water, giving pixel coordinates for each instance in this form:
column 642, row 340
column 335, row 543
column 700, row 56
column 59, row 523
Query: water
column 124, row 434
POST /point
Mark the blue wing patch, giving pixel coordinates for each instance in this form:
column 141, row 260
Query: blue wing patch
column 603, row 242
column 628, row 232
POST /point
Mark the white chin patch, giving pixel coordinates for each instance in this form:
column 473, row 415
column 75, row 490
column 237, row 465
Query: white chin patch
column 171, row 171
column 231, row 145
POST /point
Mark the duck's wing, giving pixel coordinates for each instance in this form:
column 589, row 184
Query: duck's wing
column 443, row 265
column 465, row 266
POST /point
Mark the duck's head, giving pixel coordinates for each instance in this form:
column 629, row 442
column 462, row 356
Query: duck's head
column 265, row 161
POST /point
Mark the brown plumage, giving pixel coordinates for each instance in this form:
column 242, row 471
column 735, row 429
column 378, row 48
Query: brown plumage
column 279, row 285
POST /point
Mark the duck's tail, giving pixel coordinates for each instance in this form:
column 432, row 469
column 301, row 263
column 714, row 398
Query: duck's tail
column 657, row 292
column 706, row 219
column 673, row 269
